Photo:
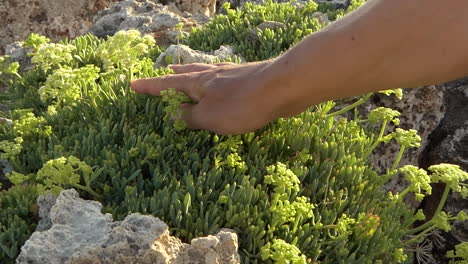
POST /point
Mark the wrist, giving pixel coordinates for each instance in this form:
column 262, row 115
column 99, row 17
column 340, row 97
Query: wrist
column 302, row 77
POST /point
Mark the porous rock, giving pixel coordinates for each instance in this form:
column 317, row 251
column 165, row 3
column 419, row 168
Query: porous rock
column 149, row 17
column 422, row 109
column 55, row 19
column 5, row 168
column 205, row 7
column 80, row 233
column 440, row 115
column 19, row 54
column 182, row 54
column 449, row 142
column 45, row 203
column 321, row 17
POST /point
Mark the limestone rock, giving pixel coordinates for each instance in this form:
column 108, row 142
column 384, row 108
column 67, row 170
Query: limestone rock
column 75, row 223
column 149, row 17
column 19, row 54
column 421, row 109
column 449, row 143
column 205, row 7
column 45, row 203
column 182, row 54
column 16, row 51
column 55, row 19
column 80, row 233
column 5, row 168
column 146, row 16
column 321, row 17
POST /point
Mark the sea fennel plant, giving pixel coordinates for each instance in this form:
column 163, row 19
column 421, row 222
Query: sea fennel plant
column 300, row 190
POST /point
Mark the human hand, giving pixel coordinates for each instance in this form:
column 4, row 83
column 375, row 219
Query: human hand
column 228, row 98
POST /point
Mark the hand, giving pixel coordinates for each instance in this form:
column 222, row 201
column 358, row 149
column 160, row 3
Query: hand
column 228, row 98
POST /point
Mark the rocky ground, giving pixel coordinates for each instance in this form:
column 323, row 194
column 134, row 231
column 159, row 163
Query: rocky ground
column 55, row 19
column 439, row 113
column 74, row 231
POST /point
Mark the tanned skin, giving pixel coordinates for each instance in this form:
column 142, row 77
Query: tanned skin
column 385, row 44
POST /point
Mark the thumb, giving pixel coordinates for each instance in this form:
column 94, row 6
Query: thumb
column 192, row 116
column 197, row 116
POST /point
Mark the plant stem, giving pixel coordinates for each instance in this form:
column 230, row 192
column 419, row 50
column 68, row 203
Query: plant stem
column 439, row 208
column 443, row 199
column 87, row 189
column 3, row 82
column 326, row 227
column 417, row 237
column 379, row 138
column 403, row 193
column 351, row 106
column 398, row 159
column 296, row 223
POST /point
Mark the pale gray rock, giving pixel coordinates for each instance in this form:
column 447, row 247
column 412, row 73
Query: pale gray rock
column 76, row 223
column 81, row 234
column 205, row 7
column 145, row 16
column 45, row 203
column 16, row 51
column 6, row 120
column 448, row 143
column 220, row 248
column 148, row 17
column 19, row 54
column 321, row 17
column 422, row 109
column 182, row 54
column 5, row 168
column 128, row 242
column 55, row 19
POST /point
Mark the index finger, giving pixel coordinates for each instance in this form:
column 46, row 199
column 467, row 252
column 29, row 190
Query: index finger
column 186, row 83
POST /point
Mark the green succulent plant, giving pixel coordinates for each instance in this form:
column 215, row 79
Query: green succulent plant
column 303, row 184
column 18, row 220
column 238, row 28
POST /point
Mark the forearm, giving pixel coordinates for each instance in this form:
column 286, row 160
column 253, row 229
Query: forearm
column 385, row 44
